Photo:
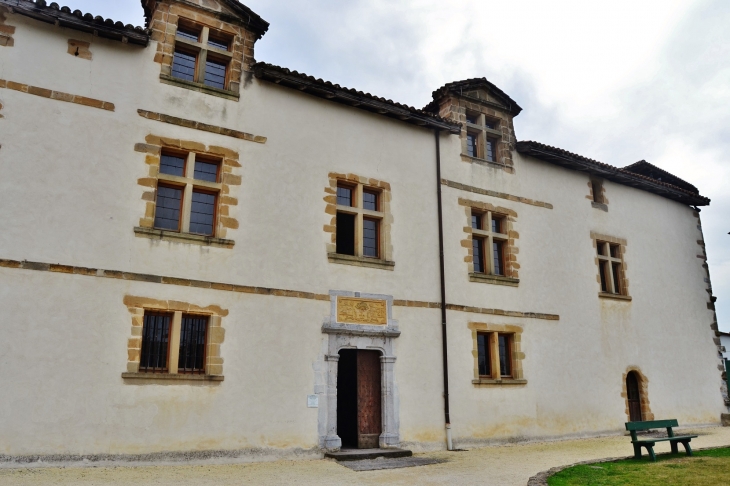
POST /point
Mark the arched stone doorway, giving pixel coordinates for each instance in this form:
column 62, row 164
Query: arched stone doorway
column 636, row 394
column 633, row 396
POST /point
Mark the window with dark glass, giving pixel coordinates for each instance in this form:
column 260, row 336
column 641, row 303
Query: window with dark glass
column 215, row 73
column 484, row 358
column 488, row 246
column 358, row 221
column 344, row 196
column 490, row 149
column 172, row 165
column 187, row 193
column 482, row 137
column 202, row 213
column 505, row 354
column 155, row 342
column 183, row 65
column 610, row 267
column 202, row 55
column 206, row 171
column 472, row 144
column 370, row 238
column 193, row 333
column 168, row 207
column 370, row 200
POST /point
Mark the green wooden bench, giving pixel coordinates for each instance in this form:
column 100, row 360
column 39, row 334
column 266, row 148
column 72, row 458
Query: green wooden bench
column 649, row 442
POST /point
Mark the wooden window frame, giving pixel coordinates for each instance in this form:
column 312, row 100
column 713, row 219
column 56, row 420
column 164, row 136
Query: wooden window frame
column 172, row 185
column 609, row 262
column 488, row 237
column 361, row 214
column 514, row 349
column 189, row 184
column 483, row 133
column 202, row 49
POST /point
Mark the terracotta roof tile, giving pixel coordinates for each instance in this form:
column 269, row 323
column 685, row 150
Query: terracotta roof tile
column 622, row 176
column 352, row 97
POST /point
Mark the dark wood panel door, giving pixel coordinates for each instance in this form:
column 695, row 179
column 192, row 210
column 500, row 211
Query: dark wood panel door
column 369, row 419
column 632, row 392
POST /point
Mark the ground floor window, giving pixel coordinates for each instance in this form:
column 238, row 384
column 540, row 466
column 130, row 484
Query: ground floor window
column 159, row 335
column 498, row 353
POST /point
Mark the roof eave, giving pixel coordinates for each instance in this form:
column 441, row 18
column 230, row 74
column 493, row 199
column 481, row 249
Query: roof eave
column 69, row 20
column 614, row 174
column 363, row 102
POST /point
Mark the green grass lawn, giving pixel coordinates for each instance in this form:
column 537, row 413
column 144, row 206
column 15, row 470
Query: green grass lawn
column 705, row 468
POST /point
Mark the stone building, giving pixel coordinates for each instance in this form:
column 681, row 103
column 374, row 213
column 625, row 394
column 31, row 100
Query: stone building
column 201, row 252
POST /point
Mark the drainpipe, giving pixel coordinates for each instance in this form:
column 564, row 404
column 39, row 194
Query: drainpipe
column 447, row 418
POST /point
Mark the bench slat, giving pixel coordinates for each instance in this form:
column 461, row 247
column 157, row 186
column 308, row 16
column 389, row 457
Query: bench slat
column 651, row 424
column 676, row 438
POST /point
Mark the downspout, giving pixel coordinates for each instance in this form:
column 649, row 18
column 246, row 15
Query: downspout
column 447, row 418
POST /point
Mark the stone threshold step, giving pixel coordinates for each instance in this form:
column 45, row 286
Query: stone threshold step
column 362, row 454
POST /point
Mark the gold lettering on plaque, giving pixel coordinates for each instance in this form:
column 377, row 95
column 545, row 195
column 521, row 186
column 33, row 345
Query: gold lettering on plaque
column 362, row 311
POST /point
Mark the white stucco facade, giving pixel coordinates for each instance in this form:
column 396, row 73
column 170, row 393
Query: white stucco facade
column 70, row 195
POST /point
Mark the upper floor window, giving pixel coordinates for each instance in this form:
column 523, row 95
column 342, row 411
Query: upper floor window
column 482, row 136
column 610, row 267
column 202, row 55
column 187, row 193
column 489, row 240
column 359, row 218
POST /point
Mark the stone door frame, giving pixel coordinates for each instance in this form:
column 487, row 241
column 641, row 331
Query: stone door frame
column 366, row 337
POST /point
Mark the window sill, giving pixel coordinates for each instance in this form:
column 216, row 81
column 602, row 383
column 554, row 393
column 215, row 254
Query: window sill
column 477, row 160
column 606, row 295
column 601, row 206
column 181, row 83
column 494, row 279
column 169, row 377
column 156, row 234
column 499, row 382
column 360, row 261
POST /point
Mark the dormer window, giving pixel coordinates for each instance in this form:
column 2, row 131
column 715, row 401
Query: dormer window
column 482, row 136
column 202, row 55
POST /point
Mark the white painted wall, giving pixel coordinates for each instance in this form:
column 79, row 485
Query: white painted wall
column 69, row 195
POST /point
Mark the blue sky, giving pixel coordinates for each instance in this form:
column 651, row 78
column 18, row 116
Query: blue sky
column 616, row 81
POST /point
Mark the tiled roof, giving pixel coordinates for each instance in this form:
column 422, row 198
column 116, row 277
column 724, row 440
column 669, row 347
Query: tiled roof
column 250, row 18
column 77, row 20
column 650, row 170
column 471, row 84
column 622, row 176
column 348, row 96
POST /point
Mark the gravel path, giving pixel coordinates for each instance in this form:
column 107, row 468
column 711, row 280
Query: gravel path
column 499, row 465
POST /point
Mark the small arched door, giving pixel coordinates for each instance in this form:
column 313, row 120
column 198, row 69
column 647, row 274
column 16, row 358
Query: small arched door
column 634, row 397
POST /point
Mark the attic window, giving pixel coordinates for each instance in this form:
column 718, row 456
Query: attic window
column 202, row 55
column 597, row 190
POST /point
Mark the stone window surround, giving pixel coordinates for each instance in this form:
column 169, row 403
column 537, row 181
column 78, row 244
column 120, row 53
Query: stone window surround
column 153, row 149
column 216, row 335
column 646, row 413
column 600, row 202
column 624, row 281
column 80, row 49
column 385, row 262
column 358, row 336
column 518, row 355
column 511, row 267
column 163, row 26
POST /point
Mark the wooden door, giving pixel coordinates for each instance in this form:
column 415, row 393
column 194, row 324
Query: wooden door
column 632, row 392
column 369, row 419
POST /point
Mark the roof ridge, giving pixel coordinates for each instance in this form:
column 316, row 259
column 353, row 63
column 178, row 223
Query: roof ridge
column 701, row 200
column 446, row 123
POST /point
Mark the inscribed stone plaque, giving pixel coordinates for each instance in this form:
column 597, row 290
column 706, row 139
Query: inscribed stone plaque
column 362, row 311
